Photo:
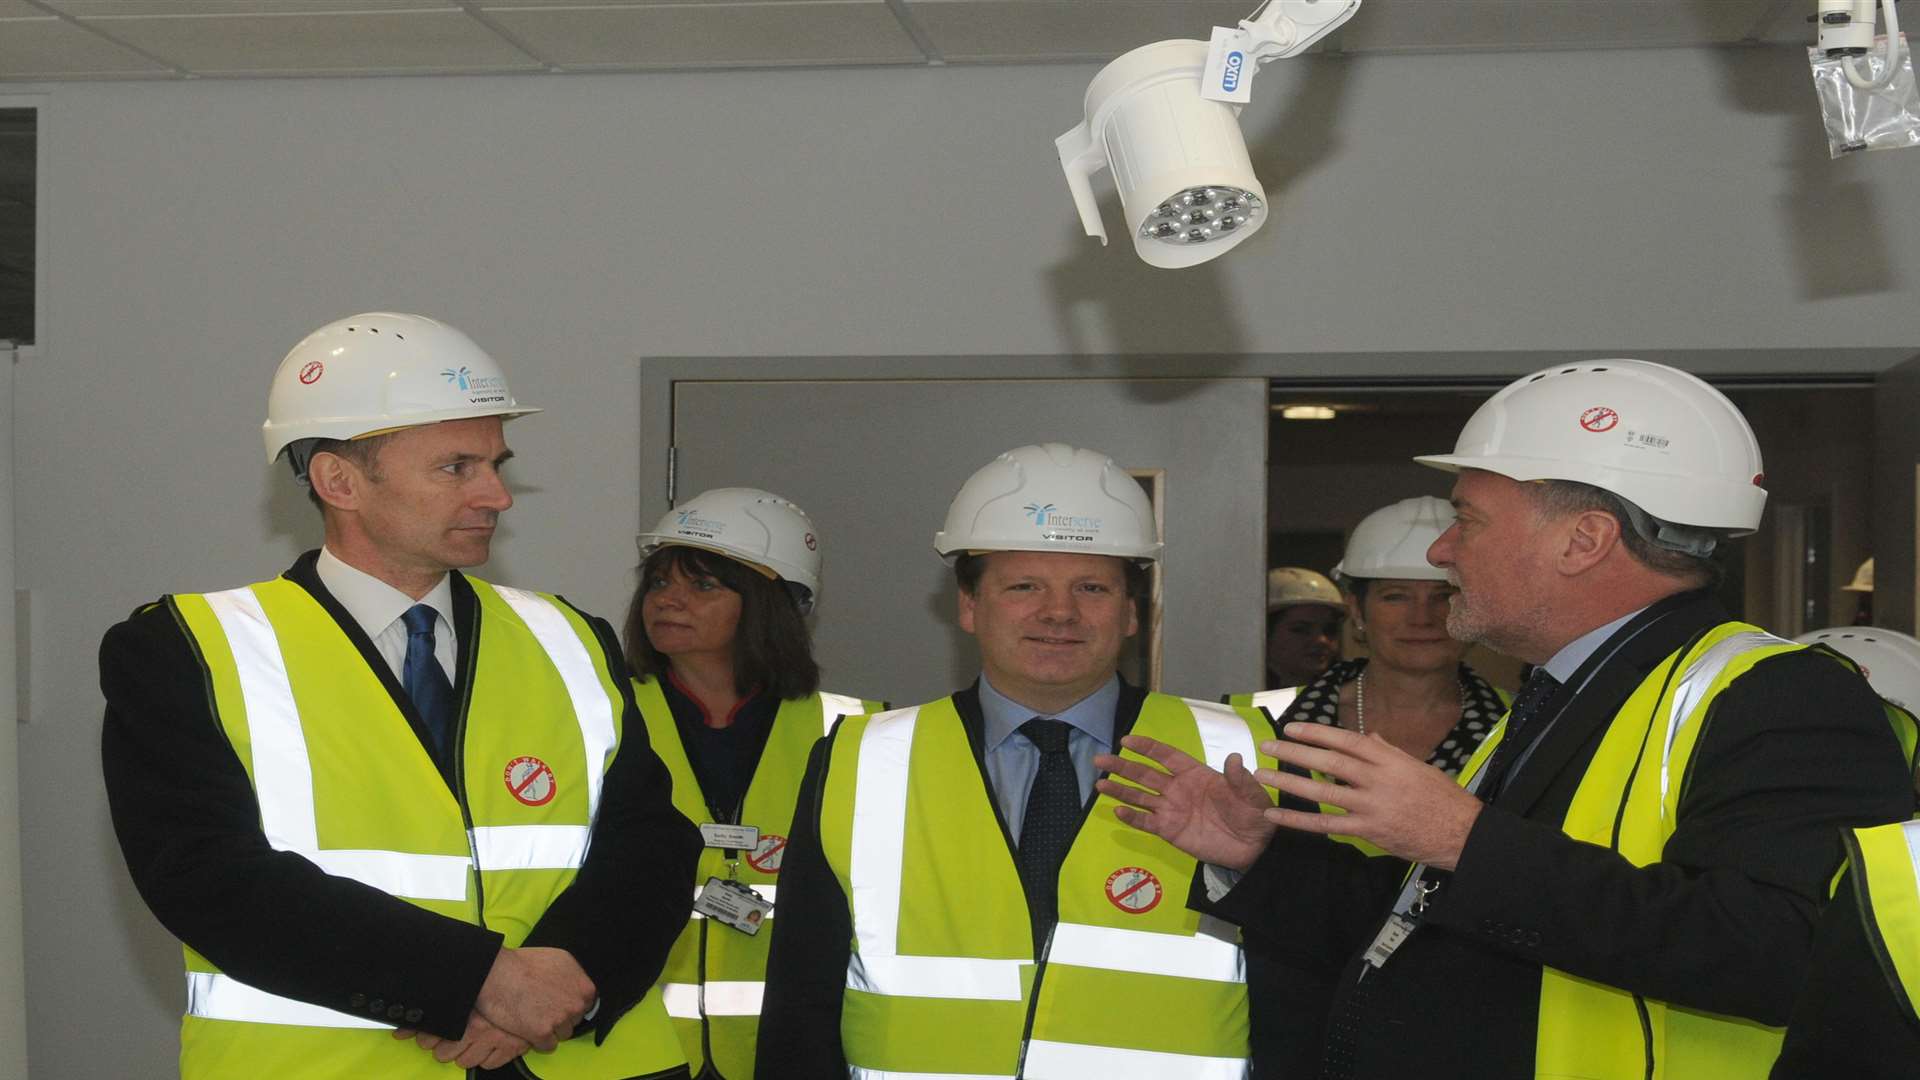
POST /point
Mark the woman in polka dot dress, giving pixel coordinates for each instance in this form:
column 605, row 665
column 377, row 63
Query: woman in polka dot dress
column 1412, row 690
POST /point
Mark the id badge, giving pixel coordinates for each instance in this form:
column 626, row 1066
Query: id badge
column 734, row 904
column 732, row 837
column 1392, row 935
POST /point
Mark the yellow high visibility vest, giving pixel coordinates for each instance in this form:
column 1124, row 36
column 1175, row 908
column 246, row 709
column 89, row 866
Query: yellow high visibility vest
column 1885, row 864
column 1628, row 801
column 716, row 976
column 538, row 733
column 943, row 979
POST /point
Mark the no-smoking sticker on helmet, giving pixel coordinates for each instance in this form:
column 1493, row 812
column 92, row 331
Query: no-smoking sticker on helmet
column 1133, row 890
column 1599, row 418
column 765, row 856
column 311, row 373
column 530, row 780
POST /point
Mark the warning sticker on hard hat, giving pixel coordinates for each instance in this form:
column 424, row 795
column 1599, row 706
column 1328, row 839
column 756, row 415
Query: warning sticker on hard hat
column 311, row 373
column 1133, row 890
column 1599, row 418
column 530, row 780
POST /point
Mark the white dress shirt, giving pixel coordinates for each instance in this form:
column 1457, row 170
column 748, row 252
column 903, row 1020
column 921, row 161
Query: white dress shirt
column 378, row 606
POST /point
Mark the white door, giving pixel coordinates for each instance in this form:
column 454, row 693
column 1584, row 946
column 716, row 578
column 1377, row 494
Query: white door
column 875, row 462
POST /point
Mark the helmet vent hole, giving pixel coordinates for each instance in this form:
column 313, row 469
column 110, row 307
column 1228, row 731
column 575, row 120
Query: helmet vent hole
column 1569, row 371
column 373, row 329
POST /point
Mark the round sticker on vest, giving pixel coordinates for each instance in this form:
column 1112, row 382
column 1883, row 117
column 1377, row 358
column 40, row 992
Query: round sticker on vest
column 1133, row 890
column 765, row 856
column 1599, row 418
column 530, row 780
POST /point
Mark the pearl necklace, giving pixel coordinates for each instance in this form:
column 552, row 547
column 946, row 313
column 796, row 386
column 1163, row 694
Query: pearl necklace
column 1360, row 702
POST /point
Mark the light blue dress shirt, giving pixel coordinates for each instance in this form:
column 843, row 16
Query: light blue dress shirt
column 1013, row 762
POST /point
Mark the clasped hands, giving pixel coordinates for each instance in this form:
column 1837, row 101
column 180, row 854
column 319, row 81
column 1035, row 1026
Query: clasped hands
column 1395, row 801
column 532, row 999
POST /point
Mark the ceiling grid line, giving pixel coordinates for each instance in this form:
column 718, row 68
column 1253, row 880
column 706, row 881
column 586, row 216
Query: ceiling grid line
column 87, row 26
column 923, row 41
column 473, row 9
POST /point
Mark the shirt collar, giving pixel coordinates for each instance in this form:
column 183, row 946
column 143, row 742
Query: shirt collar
column 1092, row 714
column 1574, row 653
column 373, row 603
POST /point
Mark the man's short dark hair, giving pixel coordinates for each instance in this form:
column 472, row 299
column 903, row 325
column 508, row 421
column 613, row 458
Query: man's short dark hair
column 968, row 567
column 772, row 651
column 364, row 453
column 1560, row 498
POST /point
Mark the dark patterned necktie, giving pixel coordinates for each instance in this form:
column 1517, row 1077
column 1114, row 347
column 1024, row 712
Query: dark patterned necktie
column 1527, row 705
column 1050, row 822
column 425, row 680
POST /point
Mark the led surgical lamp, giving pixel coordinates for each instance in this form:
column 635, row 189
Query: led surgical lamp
column 1173, row 139
column 1846, row 30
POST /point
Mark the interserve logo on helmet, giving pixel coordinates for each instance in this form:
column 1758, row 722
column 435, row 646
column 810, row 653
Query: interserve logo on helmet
column 690, row 523
column 1057, row 526
column 480, row 389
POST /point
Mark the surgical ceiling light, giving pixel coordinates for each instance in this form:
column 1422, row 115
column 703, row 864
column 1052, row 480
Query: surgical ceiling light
column 1846, row 32
column 1863, row 107
column 1166, row 119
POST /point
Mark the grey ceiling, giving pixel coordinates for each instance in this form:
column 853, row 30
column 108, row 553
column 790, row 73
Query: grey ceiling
column 172, row 39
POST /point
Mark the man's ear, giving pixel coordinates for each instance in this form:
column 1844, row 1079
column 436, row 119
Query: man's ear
column 966, row 610
column 337, row 481
column 1591, row 536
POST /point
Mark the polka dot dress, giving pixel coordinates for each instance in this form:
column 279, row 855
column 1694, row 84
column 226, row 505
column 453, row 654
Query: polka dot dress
column 1319, row 702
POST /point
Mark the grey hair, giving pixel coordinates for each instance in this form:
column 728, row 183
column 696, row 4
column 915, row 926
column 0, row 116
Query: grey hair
column 1684, row 551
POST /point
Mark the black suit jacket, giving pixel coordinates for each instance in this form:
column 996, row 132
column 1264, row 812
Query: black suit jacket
column 188, row 823
column 813, row 937
column 1793, row 751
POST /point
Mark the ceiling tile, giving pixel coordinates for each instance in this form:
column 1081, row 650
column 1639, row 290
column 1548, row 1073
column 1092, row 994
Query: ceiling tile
column 356, row 43
column 987, row 30
column 20, row 9
column 687, row 35
column 1437, row 25
column 86, row 9
column 53, row 49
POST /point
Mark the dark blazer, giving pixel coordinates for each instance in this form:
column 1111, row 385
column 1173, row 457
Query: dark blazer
column 812, row 938
column 188, row 824
column 1793, row 751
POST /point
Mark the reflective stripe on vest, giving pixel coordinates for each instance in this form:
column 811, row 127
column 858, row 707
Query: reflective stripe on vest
column 214, row 996
column 1691, row 692
column 835, row 706
column 592, row 709
column 894, row 1023
column 684, row 1001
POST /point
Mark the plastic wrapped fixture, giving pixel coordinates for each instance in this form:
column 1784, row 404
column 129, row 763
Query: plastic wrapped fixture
column 1856, row 119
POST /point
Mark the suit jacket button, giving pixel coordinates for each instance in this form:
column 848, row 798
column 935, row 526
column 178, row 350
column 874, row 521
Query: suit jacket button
column 377, row 1006
column 395, row 1012
column 357, row 1001
column 1533, row 939
column 414, row 1015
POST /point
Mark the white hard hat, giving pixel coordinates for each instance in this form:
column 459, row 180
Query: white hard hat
column 1862, row 579
column 1392, row 541
column 1653, row 435
column 1051, row 498
column 380, row 371
column 1290, row 585
column 1889, row 659
column 751, row 526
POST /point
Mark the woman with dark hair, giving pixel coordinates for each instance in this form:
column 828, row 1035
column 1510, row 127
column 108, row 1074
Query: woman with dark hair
column 726, row 681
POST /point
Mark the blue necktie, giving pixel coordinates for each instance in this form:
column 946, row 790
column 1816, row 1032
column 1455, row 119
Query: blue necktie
column 1533, row 697
column 425, row 680
column 1052, row 819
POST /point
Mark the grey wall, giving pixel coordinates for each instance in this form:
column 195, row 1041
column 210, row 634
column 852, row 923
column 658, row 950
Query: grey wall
column 1614, row 202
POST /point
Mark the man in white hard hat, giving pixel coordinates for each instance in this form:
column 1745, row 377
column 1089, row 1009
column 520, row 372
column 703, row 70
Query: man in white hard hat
column 1625, row 881
column 1304, row 613
column 379, row 801
column 953, row 901
column 1855, row 1017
